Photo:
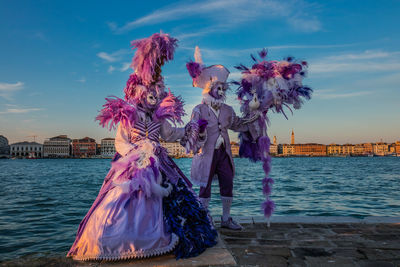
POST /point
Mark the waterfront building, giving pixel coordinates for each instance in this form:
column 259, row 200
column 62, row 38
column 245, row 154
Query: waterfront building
column 98, row 149
column 368, row 148
column 359, row 150
column 175, row 149
column 107, row 147
column 26, row 150
column 235, row 149
column 280, row 149
column 397, row 147
column 310, row 149
column 334, row 149
column 273, row 148
column 4, row 147
column 287, row 150
column 84, row 148
column 348, row 149
column 57, row 147
column 381, row 149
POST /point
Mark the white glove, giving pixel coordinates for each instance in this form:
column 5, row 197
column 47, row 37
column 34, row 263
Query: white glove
column 161, row 191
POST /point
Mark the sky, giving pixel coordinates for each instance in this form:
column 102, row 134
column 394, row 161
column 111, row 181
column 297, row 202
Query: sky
column 60, row 59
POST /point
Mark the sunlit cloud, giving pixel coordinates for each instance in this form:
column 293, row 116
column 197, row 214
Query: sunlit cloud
column 114, row 56
column 367, row 61
column 7, row 89
column 224, row 14
column 19, row 110
column 329, row 94
column 110, row 69
column 125, row 66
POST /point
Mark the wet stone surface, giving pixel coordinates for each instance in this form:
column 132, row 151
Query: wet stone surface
column 297, row 244
column 283, row 244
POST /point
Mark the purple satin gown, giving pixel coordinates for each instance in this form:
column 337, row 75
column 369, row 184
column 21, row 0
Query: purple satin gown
column 126, row 219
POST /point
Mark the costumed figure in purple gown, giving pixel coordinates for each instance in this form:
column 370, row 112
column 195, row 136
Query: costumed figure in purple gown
column 213, row 156
column 146, row 206
column 268, row 85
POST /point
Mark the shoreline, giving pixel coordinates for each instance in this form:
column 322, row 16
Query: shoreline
column 272, row 156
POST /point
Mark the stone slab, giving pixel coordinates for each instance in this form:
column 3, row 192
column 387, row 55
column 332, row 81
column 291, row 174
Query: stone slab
column 218, row 255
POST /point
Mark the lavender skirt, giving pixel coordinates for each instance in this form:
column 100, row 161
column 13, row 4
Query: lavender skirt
column 124, row 225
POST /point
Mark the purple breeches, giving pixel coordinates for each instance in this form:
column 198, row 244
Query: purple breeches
column 220, row 166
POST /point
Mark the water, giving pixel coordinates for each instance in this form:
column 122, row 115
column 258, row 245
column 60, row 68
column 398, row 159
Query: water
column 43, row 201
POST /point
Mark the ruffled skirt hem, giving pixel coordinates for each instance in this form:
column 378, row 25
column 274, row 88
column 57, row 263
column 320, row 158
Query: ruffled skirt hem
column 141, row 254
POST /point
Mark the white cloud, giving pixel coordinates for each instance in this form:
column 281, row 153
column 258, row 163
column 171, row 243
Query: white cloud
column 114, row 56
column 7, row 89
column 224, row 14
column 125, row 66
column 367, row 61
column 19, row 110
column 328, row 67
column 11, row 87
column 368, row 54
column 82, row 80
column 322, row 94
column 110, row 69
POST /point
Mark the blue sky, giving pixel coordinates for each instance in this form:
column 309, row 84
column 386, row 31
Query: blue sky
column 60, row 59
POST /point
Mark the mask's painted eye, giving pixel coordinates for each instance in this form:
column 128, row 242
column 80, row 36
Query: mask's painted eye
column 219, row 88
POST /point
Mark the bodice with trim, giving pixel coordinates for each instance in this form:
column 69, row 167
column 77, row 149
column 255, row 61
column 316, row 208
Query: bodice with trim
column 145, row 127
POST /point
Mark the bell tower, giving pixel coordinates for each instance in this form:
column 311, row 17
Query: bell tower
column 292, row 139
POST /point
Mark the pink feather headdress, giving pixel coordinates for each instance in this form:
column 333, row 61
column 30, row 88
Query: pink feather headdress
column 151, row 54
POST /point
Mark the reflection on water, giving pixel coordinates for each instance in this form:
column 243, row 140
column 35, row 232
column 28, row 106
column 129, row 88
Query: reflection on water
column 43, row 201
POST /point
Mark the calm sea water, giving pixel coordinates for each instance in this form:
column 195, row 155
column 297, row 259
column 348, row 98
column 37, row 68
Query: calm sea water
column 43, row 201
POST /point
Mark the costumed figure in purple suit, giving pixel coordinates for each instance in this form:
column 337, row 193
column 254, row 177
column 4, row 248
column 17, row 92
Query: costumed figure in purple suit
column 268, row 85
column 146, row 206
column 212, row 155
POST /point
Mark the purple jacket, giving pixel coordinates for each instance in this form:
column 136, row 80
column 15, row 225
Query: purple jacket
column 227, row 119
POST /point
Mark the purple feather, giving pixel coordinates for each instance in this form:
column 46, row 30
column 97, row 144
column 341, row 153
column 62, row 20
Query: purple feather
column 264, row 144
column 115, row 111
column 266, row 167
column 151, row 54
column 268, row 208
column 171, row 108
column 267, row 185
column 263, row 53
column 131, row 84
column 202, row 125
column 194, row 69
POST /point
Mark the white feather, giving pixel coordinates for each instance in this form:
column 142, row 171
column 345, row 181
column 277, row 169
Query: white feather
column 197, row 55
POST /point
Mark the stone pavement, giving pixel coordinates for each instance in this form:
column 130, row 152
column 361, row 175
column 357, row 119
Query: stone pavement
column 316, row 241
column 290, row 241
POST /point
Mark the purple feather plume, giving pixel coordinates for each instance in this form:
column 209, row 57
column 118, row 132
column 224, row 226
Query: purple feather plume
column 268, row 207
column 115, row 111
column 151, row 54
column 171, row 108
column 267, row 185
column 194, row 69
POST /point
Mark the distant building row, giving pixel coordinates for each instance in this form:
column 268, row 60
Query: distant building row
column 312, row 149
column 63, row 147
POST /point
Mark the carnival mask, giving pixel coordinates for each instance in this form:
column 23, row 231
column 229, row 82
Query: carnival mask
column 218, row 90
column 151, row 100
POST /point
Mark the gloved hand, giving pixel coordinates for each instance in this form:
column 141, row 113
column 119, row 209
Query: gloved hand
column 161, row 191
column 251, row 119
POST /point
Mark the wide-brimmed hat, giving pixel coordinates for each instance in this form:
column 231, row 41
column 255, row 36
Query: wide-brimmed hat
column 204, row 77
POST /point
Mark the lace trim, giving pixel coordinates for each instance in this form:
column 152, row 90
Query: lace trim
column 131, row 254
